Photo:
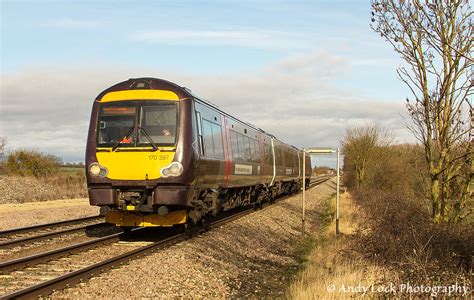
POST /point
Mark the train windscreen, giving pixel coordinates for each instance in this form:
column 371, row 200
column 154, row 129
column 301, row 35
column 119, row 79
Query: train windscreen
column 137, row 123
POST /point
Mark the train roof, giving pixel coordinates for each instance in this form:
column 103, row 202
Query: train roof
column 147, row 83
column 144, row 83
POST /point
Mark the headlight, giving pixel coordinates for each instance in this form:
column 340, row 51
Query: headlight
column 172, row 170
column 97, row 170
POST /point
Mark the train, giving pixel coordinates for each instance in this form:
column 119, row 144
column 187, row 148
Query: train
column 158, row 156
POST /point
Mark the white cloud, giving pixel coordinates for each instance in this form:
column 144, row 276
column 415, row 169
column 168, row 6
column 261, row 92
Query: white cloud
column 245, row 38
column 295, row 99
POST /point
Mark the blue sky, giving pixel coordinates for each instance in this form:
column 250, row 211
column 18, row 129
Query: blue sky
column 246, row 56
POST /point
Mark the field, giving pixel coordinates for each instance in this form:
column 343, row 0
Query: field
column 72, row 170
column 67, row 184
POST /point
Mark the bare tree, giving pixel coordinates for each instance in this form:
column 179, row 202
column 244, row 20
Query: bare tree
column 359, row 145
column 3, row 144
column 434, row 39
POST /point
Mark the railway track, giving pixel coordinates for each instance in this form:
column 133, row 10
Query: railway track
column 20, row 242
column 82, row 260
column 30, row 239
column 320, row 180
column 9, row 235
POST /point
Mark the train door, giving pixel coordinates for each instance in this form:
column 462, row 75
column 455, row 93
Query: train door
column 210, row 137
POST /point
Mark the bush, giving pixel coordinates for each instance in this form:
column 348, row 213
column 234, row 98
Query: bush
column 394, row 168
column 399, row 233
column 399, row 169
column 31, row 163
column 323, row 171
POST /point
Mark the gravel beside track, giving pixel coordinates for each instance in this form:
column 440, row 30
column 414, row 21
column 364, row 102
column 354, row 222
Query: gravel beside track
column 253, row 256
column 26, row 214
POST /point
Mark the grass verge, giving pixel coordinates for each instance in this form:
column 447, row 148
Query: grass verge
column 332, row 268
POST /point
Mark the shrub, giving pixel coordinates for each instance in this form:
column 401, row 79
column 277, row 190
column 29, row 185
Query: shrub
column 399, row 233
column 394, row 168
column 32, row 163
column 399, row 169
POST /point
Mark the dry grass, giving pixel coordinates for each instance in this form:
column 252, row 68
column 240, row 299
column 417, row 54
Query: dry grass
column 20, row 189
column 333, row 265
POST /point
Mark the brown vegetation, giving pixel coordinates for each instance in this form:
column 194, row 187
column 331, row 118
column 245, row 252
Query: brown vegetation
column 29, row 175
column 19, row 189
column 323, row 170
column 360, row 145
column 399, row 232
column 434, row 38
column 31, row 163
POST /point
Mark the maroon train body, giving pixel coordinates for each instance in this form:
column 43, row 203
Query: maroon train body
column 157, row 155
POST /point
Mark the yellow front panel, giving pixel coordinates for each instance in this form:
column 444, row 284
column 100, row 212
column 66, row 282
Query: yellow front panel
column 134, row 165
column 122, row 218
column 139, row 95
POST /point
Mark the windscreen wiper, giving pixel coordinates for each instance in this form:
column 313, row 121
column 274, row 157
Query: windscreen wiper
column 148, row 138
column 129, row 132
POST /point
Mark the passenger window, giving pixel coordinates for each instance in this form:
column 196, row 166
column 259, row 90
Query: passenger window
column 252, row 149
column 288, row 159
column 256, row 151
column 268, row 154
column 278, row 155
column 247, row 148
column 234, row 144
column 217, row 138
column 241, row 142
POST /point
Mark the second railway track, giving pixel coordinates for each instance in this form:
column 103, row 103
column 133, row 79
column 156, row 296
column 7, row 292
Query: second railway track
column 20, row 242
column 43, row 229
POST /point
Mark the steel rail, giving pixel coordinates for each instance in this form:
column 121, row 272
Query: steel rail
column 11, row 243
column 319, row 180
column 78, row 275
column 84, row 273
column 49, row 255
column 41, row 226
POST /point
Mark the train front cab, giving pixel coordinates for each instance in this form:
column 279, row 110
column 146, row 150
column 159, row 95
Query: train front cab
column 137, row 169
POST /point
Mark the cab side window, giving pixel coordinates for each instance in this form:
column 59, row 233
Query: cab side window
column 212, row 135
column 207, row 136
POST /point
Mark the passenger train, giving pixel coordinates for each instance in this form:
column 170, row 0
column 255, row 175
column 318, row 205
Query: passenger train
column 157, row 155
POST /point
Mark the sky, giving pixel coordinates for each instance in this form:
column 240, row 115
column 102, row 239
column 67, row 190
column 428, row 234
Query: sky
column 304, row 71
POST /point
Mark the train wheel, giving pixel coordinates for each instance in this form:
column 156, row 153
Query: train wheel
column 257, row 205
column 191, row 229
column 272, row 200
